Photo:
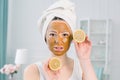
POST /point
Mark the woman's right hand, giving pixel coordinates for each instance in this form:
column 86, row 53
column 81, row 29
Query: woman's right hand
column 49, row 74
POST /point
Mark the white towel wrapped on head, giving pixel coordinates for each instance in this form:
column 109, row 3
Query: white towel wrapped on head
column 63, row 9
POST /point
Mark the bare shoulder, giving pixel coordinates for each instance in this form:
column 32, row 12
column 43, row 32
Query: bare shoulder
column 31, row 72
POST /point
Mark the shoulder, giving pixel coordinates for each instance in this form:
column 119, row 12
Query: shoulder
column 31, row 72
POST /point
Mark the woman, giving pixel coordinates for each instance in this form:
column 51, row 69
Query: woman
column 57, row 33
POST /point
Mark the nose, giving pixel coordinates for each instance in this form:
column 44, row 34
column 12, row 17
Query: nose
column 59, row 40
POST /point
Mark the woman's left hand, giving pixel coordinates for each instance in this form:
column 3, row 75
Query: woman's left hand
column 83, row 49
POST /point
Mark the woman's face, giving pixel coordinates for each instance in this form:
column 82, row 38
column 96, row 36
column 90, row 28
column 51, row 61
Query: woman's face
column 58, row 37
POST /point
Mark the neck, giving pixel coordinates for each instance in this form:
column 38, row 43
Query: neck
column 64, row 59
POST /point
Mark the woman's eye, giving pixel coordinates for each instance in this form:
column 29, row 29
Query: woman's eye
column 65, row 34
column 52, row 34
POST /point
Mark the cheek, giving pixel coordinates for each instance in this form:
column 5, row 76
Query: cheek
column 66, row 41
column 50, row 42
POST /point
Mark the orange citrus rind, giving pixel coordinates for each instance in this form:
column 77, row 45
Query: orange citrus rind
column 55, row 64
column 79, row 36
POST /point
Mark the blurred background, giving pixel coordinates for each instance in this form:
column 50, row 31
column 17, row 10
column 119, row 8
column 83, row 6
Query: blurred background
column 19, row 30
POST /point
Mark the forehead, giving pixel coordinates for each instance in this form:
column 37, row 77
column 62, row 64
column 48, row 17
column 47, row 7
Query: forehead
column 59, row 25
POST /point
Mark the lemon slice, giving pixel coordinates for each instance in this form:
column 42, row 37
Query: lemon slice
column 54, row 64
column 79, row 36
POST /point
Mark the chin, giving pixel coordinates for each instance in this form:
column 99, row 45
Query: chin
column 58, row 54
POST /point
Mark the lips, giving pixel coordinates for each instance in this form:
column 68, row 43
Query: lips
column 58, row 48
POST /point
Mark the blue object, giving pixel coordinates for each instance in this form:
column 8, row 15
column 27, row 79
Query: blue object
column 99, row 72
column 3, row 33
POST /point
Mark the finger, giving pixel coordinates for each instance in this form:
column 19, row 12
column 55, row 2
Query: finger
column 76, row 45
column 87, row 40
column 46, row 65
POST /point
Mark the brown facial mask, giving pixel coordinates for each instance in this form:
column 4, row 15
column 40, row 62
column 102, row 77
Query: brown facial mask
column 58, row 37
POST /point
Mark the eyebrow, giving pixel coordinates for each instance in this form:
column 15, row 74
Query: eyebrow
column 56, row 32
column 66, row 32
column 53, row 31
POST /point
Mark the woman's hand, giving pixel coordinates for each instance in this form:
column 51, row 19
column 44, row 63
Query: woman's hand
column 49, row 74
column 83, row 49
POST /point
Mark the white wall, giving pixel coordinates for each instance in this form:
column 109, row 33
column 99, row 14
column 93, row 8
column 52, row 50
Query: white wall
column 24, row 33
